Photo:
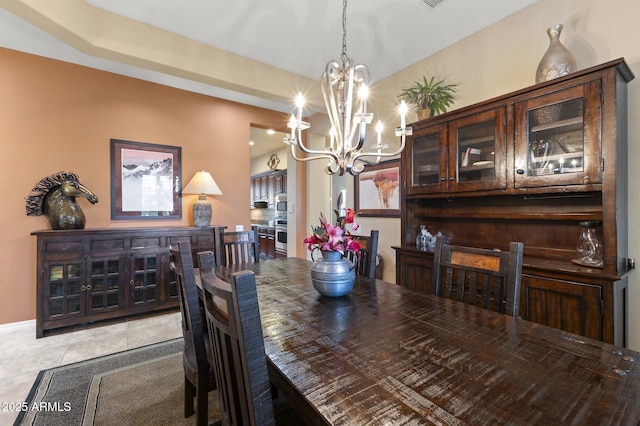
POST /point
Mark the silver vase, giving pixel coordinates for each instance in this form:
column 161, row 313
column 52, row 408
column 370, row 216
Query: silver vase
column 333, row 275
column 557, row 60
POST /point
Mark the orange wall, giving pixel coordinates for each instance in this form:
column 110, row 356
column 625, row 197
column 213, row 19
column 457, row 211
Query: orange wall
column 56, row 116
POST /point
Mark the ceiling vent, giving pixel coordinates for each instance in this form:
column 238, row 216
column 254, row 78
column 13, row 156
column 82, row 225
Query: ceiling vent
column 430, row 4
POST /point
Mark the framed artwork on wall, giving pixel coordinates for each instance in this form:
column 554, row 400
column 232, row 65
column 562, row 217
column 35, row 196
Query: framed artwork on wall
column 145, row 181
column 377, row 190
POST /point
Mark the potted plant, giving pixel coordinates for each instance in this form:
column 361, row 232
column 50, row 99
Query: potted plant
column 429, row 96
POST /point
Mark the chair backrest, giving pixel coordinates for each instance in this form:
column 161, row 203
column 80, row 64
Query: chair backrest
column 485, row 277
column 239, row 357
column 366, row 264
column 206, row 260
column 240, row 247
column 193, row 325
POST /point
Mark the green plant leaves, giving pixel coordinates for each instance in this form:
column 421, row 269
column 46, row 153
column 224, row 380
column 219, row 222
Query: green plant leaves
column 430, row 93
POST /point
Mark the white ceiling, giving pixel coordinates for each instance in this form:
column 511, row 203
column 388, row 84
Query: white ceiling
column 294, row 35
column 265, row 143
column 302, row 36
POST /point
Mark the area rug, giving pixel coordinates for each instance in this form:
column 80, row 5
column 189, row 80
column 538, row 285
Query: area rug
column 143, row 386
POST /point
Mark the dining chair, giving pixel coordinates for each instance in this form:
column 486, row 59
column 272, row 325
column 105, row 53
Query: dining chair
column 199, row 374
column 369, row 264
column 244, row 388
column 485, row 277
column 240, row 247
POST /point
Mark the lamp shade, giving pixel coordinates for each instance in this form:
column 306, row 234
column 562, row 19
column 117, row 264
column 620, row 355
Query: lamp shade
column 202, row 183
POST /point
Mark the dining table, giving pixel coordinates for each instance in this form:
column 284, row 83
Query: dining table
column 387, row 355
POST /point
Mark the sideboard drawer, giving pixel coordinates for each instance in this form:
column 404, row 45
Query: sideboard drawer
column 99, row 245
column 63, row 247
column 137, row 243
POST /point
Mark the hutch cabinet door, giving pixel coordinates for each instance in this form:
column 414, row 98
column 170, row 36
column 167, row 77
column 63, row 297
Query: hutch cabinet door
column 427, row 160
column 571, row 306
column 558, row 138
column 64, row 290
column 477, row 152
column 105, row 289
column 144, row 279
column 414, row 271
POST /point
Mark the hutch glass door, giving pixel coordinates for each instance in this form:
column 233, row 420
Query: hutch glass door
column 560, row 148
column 428, row 160
column 478, row 158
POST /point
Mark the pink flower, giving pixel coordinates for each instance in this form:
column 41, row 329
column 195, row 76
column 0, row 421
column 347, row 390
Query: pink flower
column 328, row 237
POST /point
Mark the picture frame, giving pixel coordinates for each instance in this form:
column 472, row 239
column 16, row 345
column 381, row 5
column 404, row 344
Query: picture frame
column 145, row 181
column 377, row 190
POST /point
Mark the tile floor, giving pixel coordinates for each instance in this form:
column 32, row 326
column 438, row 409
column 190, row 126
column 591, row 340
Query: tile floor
column 22, row 356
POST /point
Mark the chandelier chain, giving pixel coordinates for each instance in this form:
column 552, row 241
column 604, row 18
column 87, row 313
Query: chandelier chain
column 344, row 56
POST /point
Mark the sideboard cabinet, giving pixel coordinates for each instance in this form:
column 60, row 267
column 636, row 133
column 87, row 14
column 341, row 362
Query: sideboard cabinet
column 530, row 166
column 84, row 276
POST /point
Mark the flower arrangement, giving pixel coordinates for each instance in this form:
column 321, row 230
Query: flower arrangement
column 327, row 237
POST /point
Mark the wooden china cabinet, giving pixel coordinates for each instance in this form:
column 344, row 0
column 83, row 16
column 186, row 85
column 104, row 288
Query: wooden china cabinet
column 90, row 275
column 530, row 166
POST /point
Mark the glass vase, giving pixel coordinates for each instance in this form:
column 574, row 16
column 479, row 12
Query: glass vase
column 589, row 249
column 422, row 240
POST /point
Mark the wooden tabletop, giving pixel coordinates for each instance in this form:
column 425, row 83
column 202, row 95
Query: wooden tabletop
column 386, row 355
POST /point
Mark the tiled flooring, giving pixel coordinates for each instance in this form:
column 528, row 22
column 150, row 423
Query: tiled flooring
column 22, row 356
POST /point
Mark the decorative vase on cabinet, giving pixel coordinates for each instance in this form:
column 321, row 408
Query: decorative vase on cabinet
column 557, row 60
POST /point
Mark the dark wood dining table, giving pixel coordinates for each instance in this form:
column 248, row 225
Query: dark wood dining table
column 385, row 355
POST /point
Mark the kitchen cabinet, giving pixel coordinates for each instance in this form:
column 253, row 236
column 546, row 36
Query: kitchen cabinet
column 265, row 186
column 86, row 276
column 267, row 239
column 553, row 155
column 280, row 180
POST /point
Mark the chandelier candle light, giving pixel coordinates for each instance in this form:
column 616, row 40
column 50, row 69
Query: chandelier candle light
column 348, row 115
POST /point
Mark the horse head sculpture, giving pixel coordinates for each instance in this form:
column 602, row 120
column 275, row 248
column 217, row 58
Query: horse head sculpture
column 55, row 197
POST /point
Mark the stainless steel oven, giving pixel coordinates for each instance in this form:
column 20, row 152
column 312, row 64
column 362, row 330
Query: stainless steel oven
column 281, row 236
column 281, row 205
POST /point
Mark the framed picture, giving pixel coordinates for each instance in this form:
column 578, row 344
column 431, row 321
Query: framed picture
column 145, row 181
column 377, row 190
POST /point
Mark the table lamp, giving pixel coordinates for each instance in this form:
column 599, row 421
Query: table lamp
column 202, row 184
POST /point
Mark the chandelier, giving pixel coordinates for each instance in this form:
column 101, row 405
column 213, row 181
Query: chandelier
column 344, row 89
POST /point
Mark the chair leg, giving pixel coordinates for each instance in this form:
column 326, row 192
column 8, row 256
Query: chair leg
column 189, row 394
column 202, row 396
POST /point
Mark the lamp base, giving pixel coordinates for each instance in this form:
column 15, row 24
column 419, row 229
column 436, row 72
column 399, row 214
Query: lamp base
column 202, row 212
